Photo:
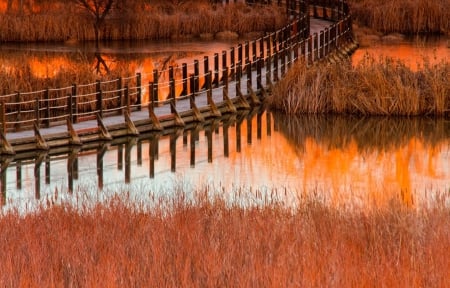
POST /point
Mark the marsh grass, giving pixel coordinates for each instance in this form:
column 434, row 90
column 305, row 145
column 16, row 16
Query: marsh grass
column 211, row 243
column 159, row 21
column 409, row 17
column 382, row 86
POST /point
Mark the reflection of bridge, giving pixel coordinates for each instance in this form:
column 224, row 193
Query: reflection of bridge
column 54, row 121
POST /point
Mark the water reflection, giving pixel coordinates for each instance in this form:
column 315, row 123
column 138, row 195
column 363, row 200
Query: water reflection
column 344, row 161
column 412, row 52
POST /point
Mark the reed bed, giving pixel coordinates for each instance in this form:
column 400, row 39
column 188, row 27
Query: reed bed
column 69, row 23
column 382, row 86
column 31, row 73
column 408, row 17
column 209, row 243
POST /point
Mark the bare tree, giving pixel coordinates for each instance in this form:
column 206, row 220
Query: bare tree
column 99, row 10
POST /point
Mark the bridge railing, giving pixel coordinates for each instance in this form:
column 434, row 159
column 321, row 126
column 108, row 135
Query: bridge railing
column 266, row 59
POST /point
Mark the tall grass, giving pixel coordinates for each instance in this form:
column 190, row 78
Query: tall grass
column 208, row 243
column 31, row 73
column 403, row 16
column 69, row 23
column 381, row 86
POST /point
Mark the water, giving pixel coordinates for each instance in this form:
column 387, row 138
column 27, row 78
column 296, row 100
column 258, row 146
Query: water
column 342, row 160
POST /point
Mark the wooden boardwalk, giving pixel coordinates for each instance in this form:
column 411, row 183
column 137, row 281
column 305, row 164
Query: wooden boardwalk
column 243, row 87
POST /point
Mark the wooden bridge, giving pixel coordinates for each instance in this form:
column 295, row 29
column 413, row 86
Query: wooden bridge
column 59, row 121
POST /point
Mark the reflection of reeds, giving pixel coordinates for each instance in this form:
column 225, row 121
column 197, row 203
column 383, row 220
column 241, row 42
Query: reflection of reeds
column 369, row 133
column 410, row 16
column 374, row 87
column 211, row 244
column 154, row 22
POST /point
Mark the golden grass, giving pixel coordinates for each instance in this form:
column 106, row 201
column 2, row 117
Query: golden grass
column 212, row 244
column 409, row 17
column 374, row 87
column 68, row 23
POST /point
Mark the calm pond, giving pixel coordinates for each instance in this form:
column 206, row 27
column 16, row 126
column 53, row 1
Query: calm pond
column 264, row 155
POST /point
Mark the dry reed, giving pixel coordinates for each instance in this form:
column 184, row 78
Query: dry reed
column 409, row 17
column 68, row 23
column 213, row 244
column 374, row 87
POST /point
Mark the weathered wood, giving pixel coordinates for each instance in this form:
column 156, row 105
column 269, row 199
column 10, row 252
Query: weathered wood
column 5, row 147
column 103, row 131
column 40, row 141
column 131, row 128
column 74, row 139
column 178, row 121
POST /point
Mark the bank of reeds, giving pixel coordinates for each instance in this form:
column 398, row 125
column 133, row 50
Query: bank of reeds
column 381, row 86
column 26, row 73
column 68, row 23
column 212, row 244
column 403, row 16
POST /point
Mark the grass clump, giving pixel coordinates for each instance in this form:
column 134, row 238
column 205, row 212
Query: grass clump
column 210, row 243
column 381, row 86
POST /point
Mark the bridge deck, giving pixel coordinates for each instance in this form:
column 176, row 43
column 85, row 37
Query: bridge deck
column 316, row 25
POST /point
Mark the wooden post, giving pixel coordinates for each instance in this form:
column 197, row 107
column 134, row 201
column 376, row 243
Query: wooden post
column 19, row 175
column 3, row 116
column 172, row 95
column 310, row 50
column 119, row 95
column 232, row 63
column 127, row 99
column 206, row 65
column 185, row 79
column 192, row 146
column 253, row 50
column 316, row 46
column 98, row 93
column 261, row 49
column 209, row 87
column 321, row 44
column 239, row 73
column 37, row 112
column 173, row 152
column 225, row 79
column 151, row 96
column 155, row 98
column 18, row 110
column 283, row 60
column 247, row 54
column 196, row 75
column 296, row 47
column 224, row 64
column 139, row 90
column 275, row 69
column 192, row 91
column 258, row 73
column 216, row 70
column 327, row 39
column 75, row 103
column 268, row 67
column 70, row 107
column 249, row 74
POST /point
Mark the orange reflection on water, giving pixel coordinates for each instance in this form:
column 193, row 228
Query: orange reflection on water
column 412, row 54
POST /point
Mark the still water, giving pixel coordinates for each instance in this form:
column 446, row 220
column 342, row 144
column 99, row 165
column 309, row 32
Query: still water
column 342, row 160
